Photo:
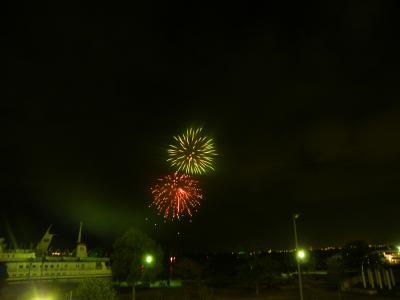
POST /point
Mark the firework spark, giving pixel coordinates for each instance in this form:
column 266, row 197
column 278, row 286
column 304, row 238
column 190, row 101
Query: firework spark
column 193, row 152
column 176, row 195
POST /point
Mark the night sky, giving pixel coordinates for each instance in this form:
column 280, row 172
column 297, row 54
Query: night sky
column 302, row 101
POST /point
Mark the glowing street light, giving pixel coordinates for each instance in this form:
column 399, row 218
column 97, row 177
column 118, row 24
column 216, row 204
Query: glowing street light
column 149, row 259
column 301, row 254
column 43, row 298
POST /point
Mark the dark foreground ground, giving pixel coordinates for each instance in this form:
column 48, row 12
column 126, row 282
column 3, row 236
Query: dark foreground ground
column 61, row 291
column 289, row 293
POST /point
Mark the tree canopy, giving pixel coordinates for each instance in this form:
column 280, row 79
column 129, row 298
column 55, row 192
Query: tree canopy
column 187, row 268
column 128, row 258
column 95, row 289
column 354, row 253
column 256, row 269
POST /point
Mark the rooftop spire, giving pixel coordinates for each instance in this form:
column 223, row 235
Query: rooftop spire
column 80, row 233
column 81, row 251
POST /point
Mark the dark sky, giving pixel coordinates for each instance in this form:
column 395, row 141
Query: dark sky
column 302, row 101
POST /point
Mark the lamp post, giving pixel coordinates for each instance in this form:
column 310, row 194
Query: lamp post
column 295, row 216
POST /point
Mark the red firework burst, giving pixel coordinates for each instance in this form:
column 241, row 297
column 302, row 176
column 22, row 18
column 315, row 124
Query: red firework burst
column 176, row 195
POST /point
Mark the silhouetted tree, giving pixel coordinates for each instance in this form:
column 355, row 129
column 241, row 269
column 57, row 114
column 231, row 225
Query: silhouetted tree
column 375, row 258
column 3, row 273
column 354, row 253
column 334, row 266
column 256, row 269
column 187, row 269
column 3, row 266
column 128, row 256
column 97, row 252
column 94, row 289
column 309, row 264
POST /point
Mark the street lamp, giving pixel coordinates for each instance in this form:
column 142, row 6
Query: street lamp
column 299, row 255
column 149, row 259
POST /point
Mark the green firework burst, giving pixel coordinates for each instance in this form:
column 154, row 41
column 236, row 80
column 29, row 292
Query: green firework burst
column 192, row 152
